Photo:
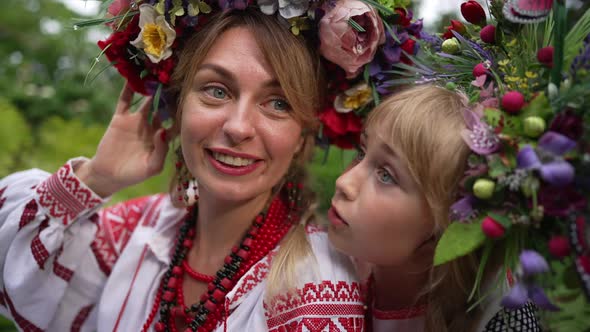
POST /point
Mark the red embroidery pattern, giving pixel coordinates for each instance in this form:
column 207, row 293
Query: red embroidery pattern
column 64, row 196
column 400, row 314
column 38, row 249
column 81, row 318
column 22, row 322
column 256, row 274
column 60, row 270
column 312, row 228
column 2, row 199
column 115, row 226
column 28, row 215
column 2, row 303
column 324, row 302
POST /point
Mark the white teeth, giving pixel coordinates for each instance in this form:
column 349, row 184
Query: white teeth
column 233, row 161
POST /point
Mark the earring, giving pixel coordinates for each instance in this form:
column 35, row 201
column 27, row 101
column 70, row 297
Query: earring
column 294, row 186
column 184, row 180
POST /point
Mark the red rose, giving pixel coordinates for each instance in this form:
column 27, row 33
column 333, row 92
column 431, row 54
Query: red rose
column 403, row 19
column 455, row 26
column 409, row 46
column 115, row 49
column 342, row 129
column 473, row 12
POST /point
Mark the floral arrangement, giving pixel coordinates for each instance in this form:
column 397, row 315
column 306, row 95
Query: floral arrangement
column 527, row 187
column 359, row 40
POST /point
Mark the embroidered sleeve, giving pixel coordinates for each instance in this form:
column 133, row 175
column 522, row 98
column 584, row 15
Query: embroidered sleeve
column 56, row 248
column 324, row 306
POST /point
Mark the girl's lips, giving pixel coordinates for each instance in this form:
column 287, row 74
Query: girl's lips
column 335, row 218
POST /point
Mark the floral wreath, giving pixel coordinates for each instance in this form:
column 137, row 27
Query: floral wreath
column 527, row 184
column 360, row 41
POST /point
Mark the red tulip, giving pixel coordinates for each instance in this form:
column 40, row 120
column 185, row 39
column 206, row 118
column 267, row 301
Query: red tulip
column 512, row 102
column 456, row 26
column 545, row 56
column 473, row 12
column 559, row 246
column 479, row 70
column 492, row 229
column 488, row 34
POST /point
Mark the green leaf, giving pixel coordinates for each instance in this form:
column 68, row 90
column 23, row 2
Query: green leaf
column 511, row 125
column 355, row 25
column 458, row 240
column 503, row 220
column 497, row 167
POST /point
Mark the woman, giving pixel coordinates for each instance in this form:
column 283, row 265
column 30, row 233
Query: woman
column 246, row 123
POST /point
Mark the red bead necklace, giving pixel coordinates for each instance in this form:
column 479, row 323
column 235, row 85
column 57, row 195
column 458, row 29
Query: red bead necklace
column 262, row 237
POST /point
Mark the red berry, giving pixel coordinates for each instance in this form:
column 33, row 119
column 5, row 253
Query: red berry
column 513, row 102
column 160, row 327
column 545, row 56
column 492, row 228
column 559, row 246
column 488, row 34
column 479, row 70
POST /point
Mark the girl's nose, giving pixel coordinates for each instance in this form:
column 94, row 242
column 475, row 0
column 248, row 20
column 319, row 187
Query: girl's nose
column 348, row 184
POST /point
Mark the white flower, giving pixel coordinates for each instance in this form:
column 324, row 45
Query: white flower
column 156, row 36
column 287, row 8
column 353, row 98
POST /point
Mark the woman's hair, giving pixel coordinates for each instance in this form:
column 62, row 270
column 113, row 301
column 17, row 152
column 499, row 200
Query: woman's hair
column 424, row 124
column 296, row 64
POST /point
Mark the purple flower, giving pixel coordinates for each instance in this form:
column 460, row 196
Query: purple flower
column 233, row 4
column 462, row 210
column 479, row 135
column 531, row 264
column 547, row 158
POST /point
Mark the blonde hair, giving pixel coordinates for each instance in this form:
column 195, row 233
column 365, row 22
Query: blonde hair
column 424, row 123
column 297, row 68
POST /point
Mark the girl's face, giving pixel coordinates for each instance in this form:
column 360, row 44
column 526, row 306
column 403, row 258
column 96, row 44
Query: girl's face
column 378, row 214
column 237, row 132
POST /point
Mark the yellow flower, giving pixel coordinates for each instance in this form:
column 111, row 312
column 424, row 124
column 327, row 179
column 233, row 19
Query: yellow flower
column 156, row 36
column 298, row 24
column 353, row 98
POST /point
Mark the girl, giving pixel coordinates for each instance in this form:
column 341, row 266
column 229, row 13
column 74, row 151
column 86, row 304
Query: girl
column 148, row 265
column 392, row 205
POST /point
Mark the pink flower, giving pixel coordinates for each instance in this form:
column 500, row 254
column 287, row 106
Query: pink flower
column 119, row 7
column 344, row 45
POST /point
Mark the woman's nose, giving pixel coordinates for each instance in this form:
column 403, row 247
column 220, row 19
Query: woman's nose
column 239, row 124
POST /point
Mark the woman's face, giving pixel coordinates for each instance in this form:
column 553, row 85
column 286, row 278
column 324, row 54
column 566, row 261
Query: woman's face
column 378, row 213
column 237, row 131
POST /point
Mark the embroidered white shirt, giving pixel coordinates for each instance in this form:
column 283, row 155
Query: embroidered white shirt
column 67, row 264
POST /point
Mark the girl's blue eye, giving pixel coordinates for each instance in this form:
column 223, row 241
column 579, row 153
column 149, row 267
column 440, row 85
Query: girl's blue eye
column 280, row 105
column 384, row 176
column 360, row 155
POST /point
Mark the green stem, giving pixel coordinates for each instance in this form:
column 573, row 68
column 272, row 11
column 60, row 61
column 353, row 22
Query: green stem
column 559, row 30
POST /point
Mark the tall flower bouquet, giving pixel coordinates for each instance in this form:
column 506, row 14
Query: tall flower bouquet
column 359, row 40
column 527, row 187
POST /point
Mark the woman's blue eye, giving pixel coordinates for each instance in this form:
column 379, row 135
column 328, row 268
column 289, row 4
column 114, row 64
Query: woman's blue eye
column 384, row 176
column 216, row 92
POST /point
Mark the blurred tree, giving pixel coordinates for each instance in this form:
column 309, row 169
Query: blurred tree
column 44, row 62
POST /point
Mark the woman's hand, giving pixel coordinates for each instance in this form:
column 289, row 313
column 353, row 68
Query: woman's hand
column 130, row 151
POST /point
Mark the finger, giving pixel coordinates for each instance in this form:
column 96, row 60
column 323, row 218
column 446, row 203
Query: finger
column 125, row 98
column 146, row 107
column 158, row 156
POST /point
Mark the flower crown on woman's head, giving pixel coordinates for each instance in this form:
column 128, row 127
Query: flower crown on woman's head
column 527, row 186
column 359, row 40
